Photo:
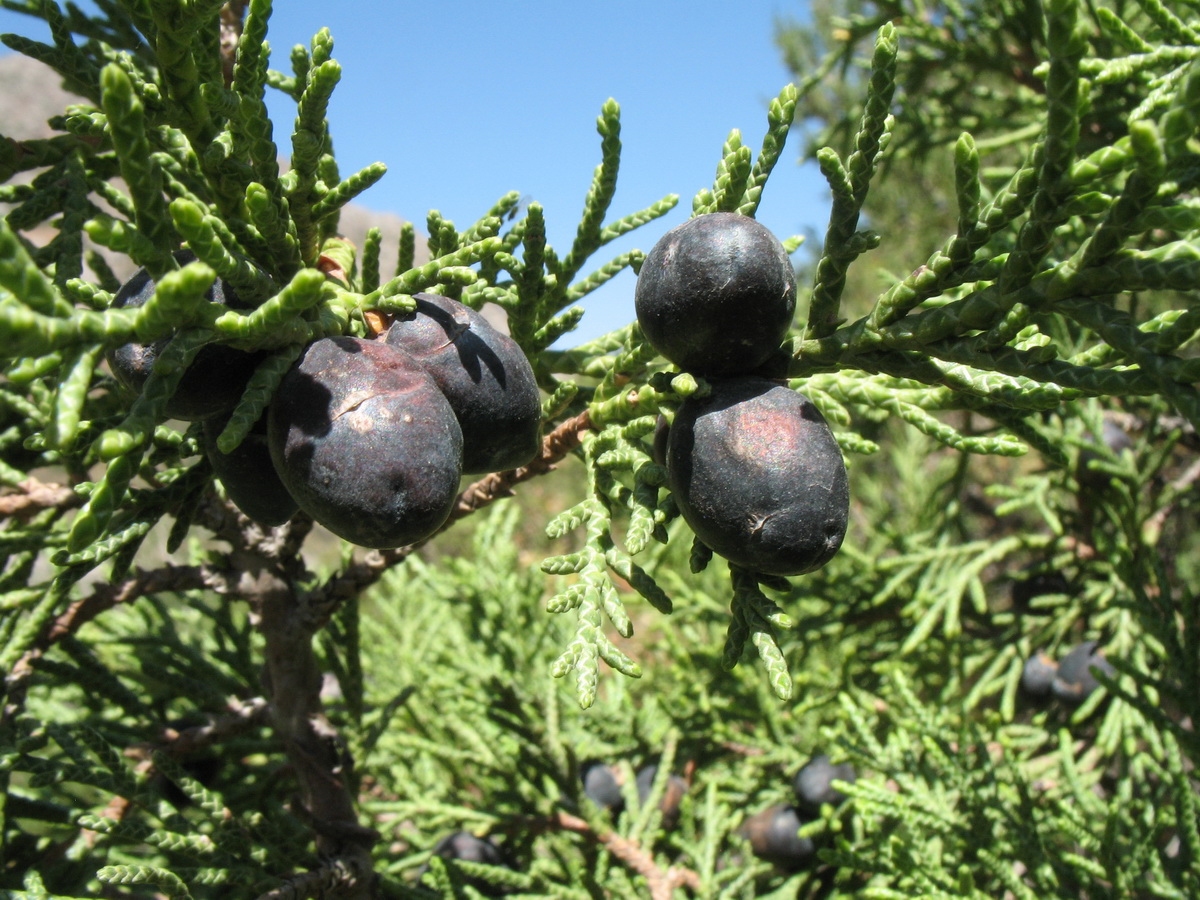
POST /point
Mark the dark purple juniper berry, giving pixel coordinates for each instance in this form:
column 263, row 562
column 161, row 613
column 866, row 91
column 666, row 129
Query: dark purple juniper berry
column 716, row 295
column 366, row 443
column 813, row 784
column 1075, row 680
column 484, row 375
column 248, row 475
column 759, row 477
column 774, row 836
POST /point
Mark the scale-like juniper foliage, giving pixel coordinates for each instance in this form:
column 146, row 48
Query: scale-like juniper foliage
column 197, row 706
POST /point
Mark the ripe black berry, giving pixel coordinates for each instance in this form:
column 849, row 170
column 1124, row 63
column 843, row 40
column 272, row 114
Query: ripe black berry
column 248, row 475
column 716, row 294
column 773, row 836
column 366, row 443
column 814, row 782
column 758, row 476
column 601, row 786
column 672, row 796
column 485, row 376
column 1038, row 674
column 462, row 845
column 1075, row 681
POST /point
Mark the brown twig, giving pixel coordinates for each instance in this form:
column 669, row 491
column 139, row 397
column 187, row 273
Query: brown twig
column 662, row 882
column 168, row 578
column 35, row 496
column 240, row 717
column 278, row 546
column 558, row 443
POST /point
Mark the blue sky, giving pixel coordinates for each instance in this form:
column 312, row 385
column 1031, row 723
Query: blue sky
column 465, row 101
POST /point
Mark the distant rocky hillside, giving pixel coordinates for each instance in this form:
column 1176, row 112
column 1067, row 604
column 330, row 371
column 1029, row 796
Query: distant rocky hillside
column 31, row 93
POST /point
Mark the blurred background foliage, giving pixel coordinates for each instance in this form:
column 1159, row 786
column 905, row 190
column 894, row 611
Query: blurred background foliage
column 143, row 761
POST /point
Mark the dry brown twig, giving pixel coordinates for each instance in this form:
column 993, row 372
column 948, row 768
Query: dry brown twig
column 240, row 716
column 34, row 496
column 662, row 882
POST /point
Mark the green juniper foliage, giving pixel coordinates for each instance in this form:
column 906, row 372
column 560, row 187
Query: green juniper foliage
column 199, row 706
